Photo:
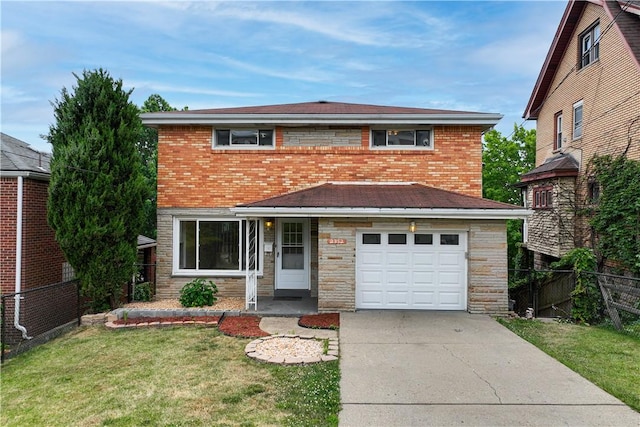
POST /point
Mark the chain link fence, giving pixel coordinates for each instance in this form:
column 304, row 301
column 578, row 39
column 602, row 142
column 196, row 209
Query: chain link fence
column 37, row 315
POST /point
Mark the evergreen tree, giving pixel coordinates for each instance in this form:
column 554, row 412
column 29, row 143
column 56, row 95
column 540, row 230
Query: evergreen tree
column 97, row 191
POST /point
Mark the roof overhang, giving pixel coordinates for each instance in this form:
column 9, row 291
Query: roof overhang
column 333, row 212
column 486, row 120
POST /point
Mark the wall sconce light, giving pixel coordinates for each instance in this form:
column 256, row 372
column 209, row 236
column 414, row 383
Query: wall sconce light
column 412, row 226
column 269, row 224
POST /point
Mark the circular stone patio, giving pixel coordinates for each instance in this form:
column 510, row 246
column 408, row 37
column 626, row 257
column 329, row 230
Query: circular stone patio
column 292, row 349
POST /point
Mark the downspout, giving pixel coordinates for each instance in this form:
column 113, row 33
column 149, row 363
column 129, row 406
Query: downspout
column 17, row 297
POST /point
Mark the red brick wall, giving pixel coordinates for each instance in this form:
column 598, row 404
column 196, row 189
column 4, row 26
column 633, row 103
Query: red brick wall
column 191, row 174
column 8, row 194
column 42, row 258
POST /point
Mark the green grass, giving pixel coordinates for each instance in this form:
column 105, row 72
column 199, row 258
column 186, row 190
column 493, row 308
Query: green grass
column 162, row 377
column 607, row 358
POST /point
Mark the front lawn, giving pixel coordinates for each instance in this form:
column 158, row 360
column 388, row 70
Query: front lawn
column 607, row 358
column 174, row 376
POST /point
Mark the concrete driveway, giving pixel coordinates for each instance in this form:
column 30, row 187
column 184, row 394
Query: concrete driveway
column 424, row 368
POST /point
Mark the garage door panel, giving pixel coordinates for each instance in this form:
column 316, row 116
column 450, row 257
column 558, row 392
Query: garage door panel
column 422, row 278
column 374, row 258
column 449, row 278
column 423, row 259
column 372, row 277
column 449, row 259
column 395, row 277
column 424, row 298
column 372, row 297
column 398, row 298
column 449, row 298
column 407, row 275
column 398, row 259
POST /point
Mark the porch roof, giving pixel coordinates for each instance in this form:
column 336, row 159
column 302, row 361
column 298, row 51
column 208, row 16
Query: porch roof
column 408, row 200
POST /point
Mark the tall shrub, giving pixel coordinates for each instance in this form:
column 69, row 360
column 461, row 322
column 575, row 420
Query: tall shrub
column 96, row 190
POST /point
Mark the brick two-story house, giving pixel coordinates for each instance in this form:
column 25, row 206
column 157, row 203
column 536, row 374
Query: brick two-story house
column 586, row 102
column 29, row 255
column 361, row 206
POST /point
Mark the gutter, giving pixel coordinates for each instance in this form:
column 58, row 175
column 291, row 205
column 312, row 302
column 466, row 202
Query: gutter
column 18, row 288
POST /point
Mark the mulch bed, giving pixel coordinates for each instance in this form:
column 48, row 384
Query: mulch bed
column 175, row 319
column 242, row 327
column 320, row 321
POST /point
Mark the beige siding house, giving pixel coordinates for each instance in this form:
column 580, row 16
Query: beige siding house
column 586, row 102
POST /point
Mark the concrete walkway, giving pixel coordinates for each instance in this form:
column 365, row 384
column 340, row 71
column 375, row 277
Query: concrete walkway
column 453, row 368
column 289, row 325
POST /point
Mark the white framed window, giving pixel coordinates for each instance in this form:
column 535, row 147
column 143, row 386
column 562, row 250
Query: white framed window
column 557, row 144
column 577, row 120
column 589, row 45
column 402, row 138
column 243, row 138
column 212, row 246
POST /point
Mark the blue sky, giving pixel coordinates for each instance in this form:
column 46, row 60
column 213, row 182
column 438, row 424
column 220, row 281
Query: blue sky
column 458, row 55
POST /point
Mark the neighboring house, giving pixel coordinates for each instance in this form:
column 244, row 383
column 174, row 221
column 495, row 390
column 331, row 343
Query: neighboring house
column 361, row 206
column 586, row 102
column 30, row 255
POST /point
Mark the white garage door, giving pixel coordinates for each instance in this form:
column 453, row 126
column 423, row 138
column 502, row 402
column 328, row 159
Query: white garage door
column 418, row 271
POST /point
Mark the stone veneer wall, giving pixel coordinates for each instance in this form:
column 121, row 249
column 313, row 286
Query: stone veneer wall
column 487, row 265
column 168, row 286
column 552, row 231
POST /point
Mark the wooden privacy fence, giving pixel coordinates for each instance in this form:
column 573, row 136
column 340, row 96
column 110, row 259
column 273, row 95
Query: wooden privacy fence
column 620, row 293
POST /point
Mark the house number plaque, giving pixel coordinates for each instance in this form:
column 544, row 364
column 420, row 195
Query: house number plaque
column 337, row 241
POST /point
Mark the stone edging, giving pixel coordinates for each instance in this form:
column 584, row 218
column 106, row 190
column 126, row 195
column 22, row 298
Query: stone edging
column 146, row 324
column 132, row 313
column 283, row 359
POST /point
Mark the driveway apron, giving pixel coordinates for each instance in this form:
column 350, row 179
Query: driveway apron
column 403, row 368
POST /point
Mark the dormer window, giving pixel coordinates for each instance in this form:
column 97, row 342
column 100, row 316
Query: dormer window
column 239, row 138
column 589, row 45
column 402, row 138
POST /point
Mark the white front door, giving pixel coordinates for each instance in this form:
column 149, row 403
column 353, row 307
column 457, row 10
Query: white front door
column 292, row 254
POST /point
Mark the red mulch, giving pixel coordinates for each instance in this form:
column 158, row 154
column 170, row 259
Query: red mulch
column 242, row 327
column 176, row 319
column 320, row 321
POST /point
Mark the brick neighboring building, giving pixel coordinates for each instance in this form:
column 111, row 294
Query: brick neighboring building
column 25, row 170
column 586, row 102
column 361, row 206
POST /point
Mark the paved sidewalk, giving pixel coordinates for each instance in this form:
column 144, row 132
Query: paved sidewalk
column 452, row 368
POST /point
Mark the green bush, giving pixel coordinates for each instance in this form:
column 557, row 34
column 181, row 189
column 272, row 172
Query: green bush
column 587, row 305
column 142, row 292
column 198, row 293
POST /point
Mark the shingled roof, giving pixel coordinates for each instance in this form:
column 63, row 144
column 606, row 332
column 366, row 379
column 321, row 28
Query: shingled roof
column 381, row 199
column 562, row 165
column 18, row 158
column 320, row 112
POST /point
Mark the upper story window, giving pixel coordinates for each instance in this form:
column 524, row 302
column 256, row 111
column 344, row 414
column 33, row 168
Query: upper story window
column 402, row 138
column 557, row 143
column 543, row 197
column 243, row 138
column 589, row 45
column 577, row 120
